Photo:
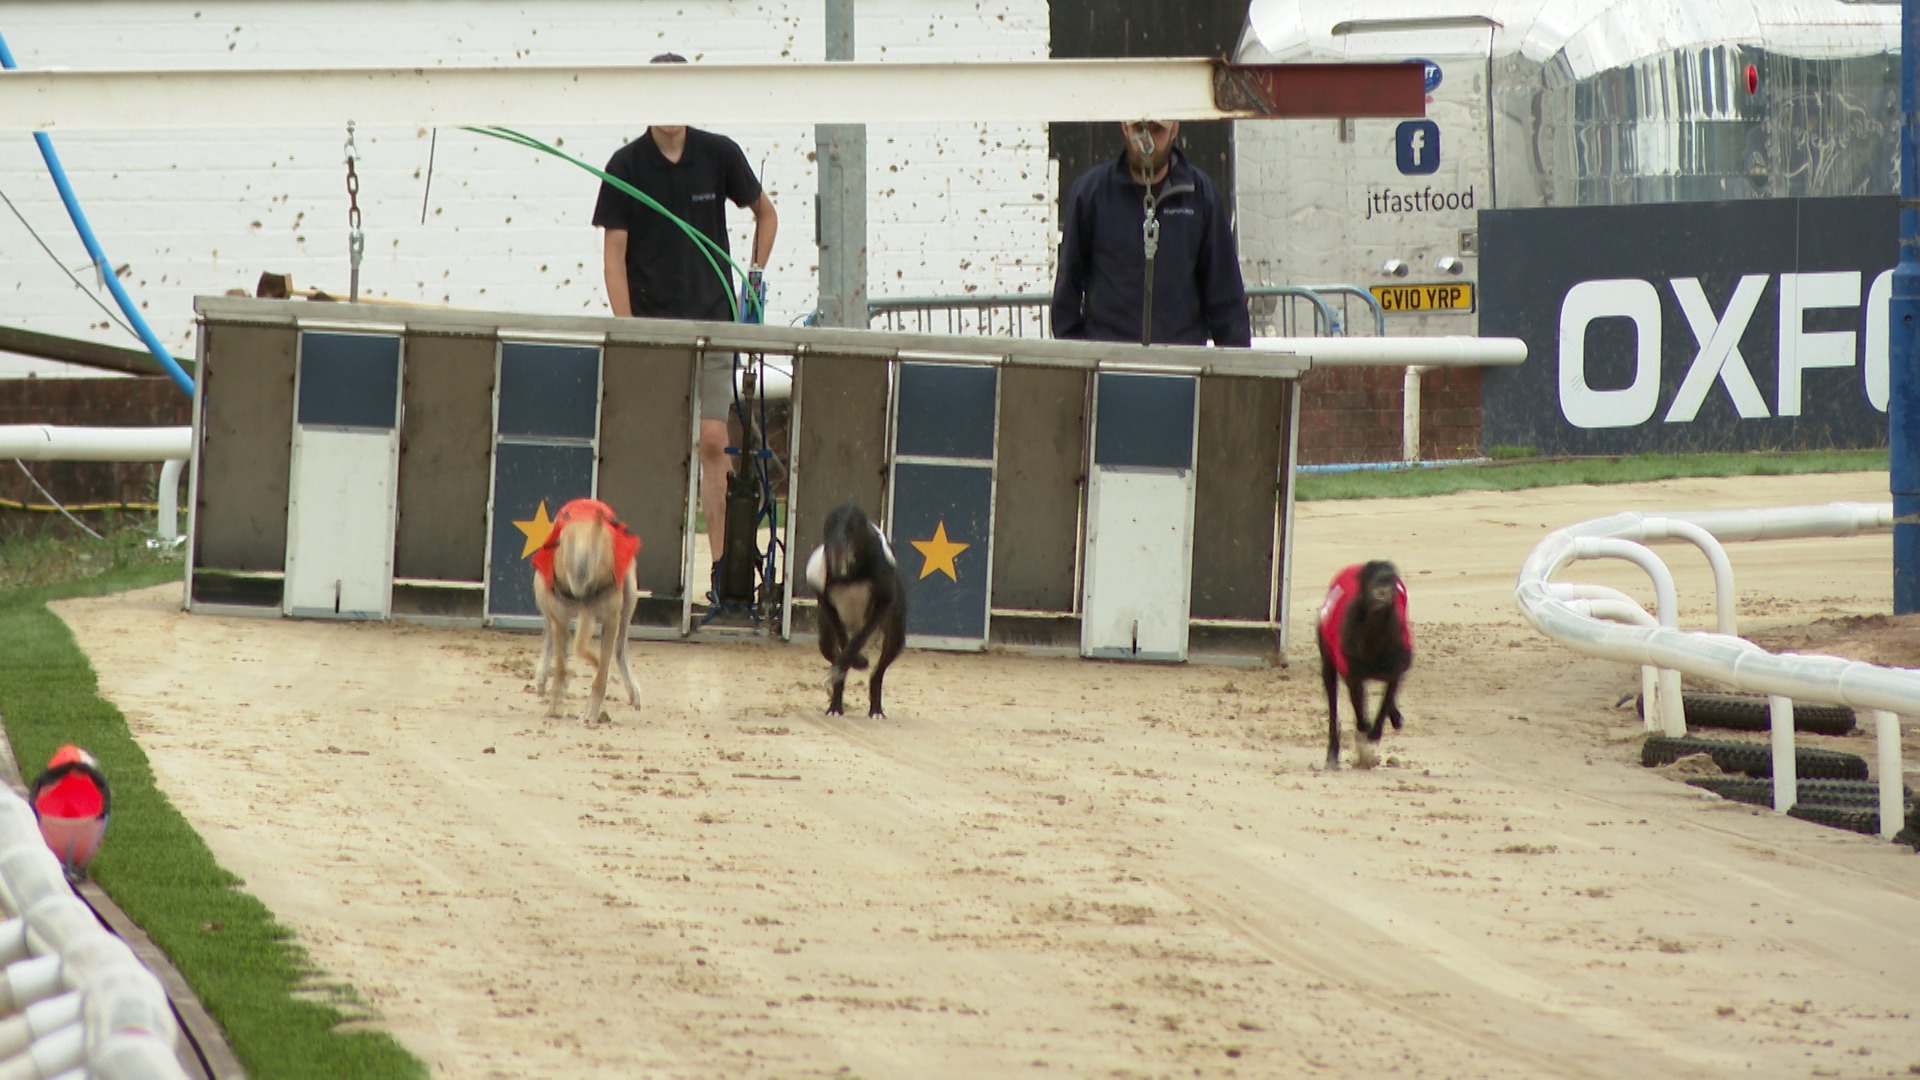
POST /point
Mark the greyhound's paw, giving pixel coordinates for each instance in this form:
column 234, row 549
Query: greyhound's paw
column 1395, row 717
column 858, row 663
column 835, row 710
column 1365, row 756
column 876, row 714
column 1333, row 764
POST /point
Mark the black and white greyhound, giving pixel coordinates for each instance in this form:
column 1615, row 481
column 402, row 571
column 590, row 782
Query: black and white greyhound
column 862, row 595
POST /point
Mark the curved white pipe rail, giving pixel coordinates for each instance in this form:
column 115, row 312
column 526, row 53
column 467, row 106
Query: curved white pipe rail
column 1722, row 657
column 1606, row 602
column 170, row 498
column 1633, row 614
column 1726, row 618
column 1665, row 703
column 49, row 442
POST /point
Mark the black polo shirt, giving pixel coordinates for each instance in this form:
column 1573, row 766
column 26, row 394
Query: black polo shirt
column 667, row 276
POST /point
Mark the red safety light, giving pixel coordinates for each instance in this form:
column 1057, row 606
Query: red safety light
column 1753, row 79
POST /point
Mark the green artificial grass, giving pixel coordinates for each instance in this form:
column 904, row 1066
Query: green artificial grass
column 282, row 1018
column 1518, row 474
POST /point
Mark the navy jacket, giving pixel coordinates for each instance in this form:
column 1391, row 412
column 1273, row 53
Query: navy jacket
column 1197, row 291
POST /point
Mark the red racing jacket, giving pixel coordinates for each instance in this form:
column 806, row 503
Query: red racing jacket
column 1333, row 611
column 626, row 542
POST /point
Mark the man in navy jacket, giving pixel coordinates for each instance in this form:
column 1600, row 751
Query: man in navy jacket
column 1100, row 290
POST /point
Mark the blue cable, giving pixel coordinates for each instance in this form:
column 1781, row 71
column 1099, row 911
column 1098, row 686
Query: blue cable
column 127, row 306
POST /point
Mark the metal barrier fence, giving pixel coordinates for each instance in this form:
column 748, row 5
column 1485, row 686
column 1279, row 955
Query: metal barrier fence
column 1277, row 311
column 1018, row 314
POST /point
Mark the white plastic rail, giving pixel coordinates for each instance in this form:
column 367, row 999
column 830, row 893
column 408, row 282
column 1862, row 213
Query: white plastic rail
column 1572, row 618
column 74, row 999
column 50, row 442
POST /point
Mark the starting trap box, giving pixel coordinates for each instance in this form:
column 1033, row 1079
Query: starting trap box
column 1114, row 501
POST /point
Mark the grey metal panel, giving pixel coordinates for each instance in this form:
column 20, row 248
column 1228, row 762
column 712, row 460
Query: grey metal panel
column 246, row 434
column 1242, row 432
column 645, row 433
column 551, row 391
column 1042, row 460
column 842, row 451
column 1144, row 421
column 349, row 380
column 946, row 411
column 445, row 452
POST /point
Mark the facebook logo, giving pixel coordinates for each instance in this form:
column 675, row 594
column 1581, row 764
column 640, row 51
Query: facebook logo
column 1416, row 147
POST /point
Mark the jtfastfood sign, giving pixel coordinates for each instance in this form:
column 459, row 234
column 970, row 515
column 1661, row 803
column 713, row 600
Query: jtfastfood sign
column 1739, row 325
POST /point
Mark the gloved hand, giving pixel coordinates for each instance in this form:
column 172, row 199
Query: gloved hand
column 753, row 298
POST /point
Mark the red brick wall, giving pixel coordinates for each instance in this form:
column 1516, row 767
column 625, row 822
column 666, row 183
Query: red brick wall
column 1352, row 414
column 107, row 402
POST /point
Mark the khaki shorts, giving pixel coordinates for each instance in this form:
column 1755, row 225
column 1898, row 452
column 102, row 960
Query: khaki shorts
column 716, row 385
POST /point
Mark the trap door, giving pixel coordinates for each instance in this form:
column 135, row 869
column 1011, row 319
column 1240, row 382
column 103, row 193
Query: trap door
column 343, row 476
column 1138, row 583
column 940, row 505
column 546, row 451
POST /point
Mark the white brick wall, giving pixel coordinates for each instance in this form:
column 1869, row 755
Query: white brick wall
column 952, row 208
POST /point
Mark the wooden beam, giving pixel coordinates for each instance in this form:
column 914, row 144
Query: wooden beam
column 849, row 92
column 84, row 353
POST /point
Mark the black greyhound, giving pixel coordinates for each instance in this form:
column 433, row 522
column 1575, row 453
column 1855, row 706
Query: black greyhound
column 861, row 595
column 1364, row 634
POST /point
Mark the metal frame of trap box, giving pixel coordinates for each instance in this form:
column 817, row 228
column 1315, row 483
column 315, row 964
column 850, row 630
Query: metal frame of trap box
column 436, row 518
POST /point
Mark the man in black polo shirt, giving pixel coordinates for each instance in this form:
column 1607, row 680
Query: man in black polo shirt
column 1100, row 289
column 654, row 270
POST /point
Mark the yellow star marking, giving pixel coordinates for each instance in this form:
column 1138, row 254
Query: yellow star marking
column 537, row 530
column 939, row 552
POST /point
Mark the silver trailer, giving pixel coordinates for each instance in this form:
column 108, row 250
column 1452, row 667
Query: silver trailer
column 1553, row 103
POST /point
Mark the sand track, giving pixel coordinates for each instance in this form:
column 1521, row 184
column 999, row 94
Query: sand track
column 1052, row 866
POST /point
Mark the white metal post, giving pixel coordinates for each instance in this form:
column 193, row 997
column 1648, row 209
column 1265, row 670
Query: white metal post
column 1886, row 730
column 1786, row 784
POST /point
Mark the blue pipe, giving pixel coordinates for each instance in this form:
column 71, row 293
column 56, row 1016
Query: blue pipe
column 127, row 306
column 1903, row 390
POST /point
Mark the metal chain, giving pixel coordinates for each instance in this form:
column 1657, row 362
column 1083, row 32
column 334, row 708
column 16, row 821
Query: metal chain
column 1150, row 225
column 356, row 240
column 1150, row 241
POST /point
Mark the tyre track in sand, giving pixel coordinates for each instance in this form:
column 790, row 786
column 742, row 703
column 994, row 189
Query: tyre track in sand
column 1485, row 1015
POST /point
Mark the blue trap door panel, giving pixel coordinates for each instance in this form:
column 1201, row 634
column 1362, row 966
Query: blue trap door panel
column 344, row 470
column 940, row 507
column 1137, row 588
column 546, row 451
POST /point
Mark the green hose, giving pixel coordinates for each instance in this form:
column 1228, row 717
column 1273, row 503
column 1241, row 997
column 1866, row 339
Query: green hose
column 708, row 248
